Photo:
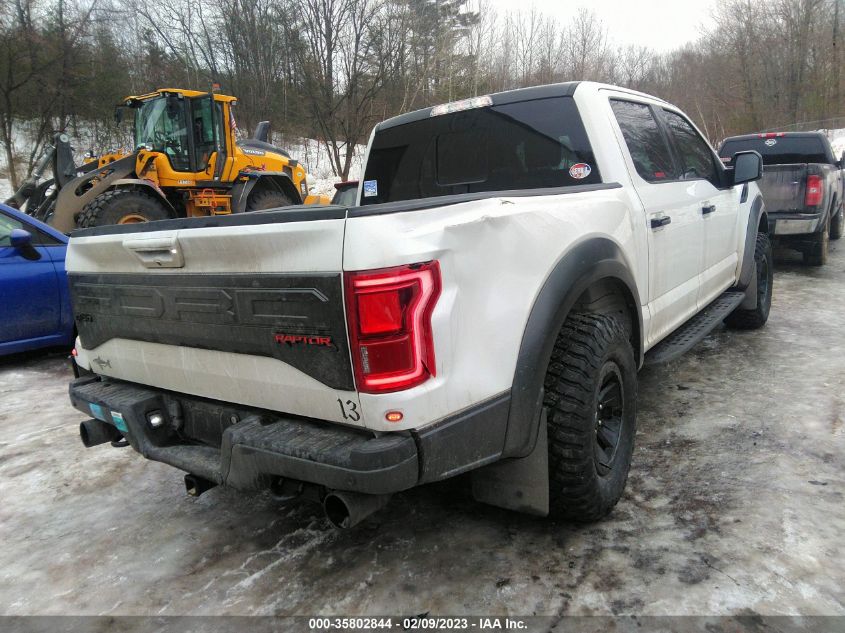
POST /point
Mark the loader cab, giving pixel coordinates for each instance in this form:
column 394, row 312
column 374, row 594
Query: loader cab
column 187, row 128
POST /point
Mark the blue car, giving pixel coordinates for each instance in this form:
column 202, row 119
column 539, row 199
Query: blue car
column 34, row 298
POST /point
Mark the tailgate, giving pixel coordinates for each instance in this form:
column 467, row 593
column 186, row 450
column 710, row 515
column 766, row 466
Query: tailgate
column 246, row 309
column 783, row 187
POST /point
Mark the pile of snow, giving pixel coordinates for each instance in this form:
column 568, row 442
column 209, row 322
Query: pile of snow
column 315, row 158
column 838, row 145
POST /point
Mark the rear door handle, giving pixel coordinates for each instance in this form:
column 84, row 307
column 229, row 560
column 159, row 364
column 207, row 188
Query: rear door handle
column 656, row 223
column 710, row 208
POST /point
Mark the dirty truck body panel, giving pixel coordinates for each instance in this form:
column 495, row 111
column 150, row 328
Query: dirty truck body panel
column 404, row 339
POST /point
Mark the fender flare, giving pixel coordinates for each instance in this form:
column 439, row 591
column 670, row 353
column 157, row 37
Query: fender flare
column 590, row 261
column 755, row 216
column 139, row 182
column 279, row 180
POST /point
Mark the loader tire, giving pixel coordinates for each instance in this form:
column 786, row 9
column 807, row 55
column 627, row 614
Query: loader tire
column 267, row 199
column 122, row 206
column 591, row 397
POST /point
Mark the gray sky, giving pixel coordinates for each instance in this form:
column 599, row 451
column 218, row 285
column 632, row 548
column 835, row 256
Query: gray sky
column 658, row 24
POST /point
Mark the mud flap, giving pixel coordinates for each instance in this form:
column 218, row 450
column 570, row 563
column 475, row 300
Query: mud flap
column 520, row 484
column 750, row 300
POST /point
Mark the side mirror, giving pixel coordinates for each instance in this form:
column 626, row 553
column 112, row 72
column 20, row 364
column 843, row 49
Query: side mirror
column 748, row 167
column 20, row 239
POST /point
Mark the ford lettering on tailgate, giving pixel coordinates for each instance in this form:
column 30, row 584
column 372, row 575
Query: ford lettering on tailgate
column 297, row 319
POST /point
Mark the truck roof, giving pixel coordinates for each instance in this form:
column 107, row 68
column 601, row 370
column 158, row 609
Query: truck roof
column 565, row 89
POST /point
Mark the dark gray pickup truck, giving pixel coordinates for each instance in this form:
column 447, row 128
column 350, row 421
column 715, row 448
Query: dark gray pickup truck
column 802, row 188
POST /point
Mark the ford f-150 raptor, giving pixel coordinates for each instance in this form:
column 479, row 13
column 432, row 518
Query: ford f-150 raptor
column 802, row 187
column 510, row 263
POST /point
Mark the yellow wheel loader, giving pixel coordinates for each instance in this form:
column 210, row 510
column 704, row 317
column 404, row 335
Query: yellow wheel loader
column 187, row 162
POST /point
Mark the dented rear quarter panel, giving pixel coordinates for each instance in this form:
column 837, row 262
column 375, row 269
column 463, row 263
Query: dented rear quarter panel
column 495, row 256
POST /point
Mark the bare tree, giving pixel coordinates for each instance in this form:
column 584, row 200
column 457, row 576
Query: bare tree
column 587, row 43
column 339, row 46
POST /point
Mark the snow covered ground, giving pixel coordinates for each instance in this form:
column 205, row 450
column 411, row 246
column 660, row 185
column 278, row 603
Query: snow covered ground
column 838, row 144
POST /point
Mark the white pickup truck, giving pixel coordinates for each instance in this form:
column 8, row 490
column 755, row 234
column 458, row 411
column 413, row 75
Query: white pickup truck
column 511, row 263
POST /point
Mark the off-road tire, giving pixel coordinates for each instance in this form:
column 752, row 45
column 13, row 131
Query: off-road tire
column 267, row 199
column 753, row 318
column 837, row 225
column 816, row 253
column 591, row 353
column 119, row 206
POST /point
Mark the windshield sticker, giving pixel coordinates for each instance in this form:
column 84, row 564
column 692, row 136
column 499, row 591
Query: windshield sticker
column 370, row 188
column 771, row 142
column 580, row 171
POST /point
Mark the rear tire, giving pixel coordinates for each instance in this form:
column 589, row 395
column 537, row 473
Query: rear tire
column 591, row 396
column 816, row 253
column 751, row 319
column 267, row 199
column 122, row 206
column 837, row 226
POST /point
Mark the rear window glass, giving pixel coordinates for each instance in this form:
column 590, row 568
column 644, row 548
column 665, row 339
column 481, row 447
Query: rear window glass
column 526, row 145
column 778, row 151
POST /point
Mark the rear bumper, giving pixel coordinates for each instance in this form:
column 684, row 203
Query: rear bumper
column 250, row 449
column 783, row 224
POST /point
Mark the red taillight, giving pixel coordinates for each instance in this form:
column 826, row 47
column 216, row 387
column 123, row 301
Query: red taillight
column 389, row 315
column 814, row 194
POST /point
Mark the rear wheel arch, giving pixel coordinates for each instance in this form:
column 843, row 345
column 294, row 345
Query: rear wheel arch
column 592, row 277
column 243, row 193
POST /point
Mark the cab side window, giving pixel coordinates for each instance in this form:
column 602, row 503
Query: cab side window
column 646, row 143
column 697, row 160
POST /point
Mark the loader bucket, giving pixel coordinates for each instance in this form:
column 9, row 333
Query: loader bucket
column 81, row 190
